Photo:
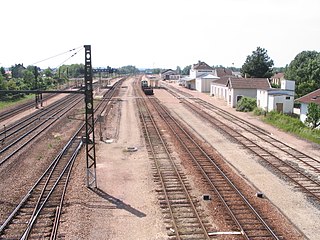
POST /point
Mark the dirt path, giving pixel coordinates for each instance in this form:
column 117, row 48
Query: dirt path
column 126, row 205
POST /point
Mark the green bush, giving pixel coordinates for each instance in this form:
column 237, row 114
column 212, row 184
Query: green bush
column 246, row 104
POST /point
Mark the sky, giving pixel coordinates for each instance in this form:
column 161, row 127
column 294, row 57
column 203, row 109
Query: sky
column 156, row 33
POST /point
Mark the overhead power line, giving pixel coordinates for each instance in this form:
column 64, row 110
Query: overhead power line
column 74, row 49
column 69, row 57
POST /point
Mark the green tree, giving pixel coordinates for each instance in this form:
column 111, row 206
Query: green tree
column 304, row 69
column 48, row 72
column 29, row 78
column 178, row 70
column 17, row 70
column 186, row 70
column 258, row 64
column 128, row 70
column 313, row 115
column 2, row 72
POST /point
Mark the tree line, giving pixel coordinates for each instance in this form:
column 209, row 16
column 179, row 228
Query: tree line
column 32, row 77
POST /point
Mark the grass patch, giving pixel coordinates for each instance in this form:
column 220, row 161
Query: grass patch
column 6, row 104
column 292, row 125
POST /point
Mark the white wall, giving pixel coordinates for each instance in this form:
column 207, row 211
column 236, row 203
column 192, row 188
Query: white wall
column 198, row 84
column 287, row 103
column 219, row 91
column 262, row 99
column 240, row 92
column 195, row 73
column 203, row 84
column 192, row 73
column 288, row 85
column 303, row 112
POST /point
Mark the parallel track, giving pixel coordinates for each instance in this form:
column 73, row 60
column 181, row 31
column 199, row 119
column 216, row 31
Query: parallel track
column 296, row 166
column 182, row 215
column 21, row 108
column 37, row 216
column 22, row 133
column 250, row 224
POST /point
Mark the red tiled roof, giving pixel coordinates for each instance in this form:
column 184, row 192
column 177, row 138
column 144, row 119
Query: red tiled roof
column 249, row 83
column 223, row 72
column 201, row 65
column 223, row 80
column 313, row 97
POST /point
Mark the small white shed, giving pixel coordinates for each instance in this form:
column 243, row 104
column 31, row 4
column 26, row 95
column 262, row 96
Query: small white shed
column 275, row 100
column 203, row 82
column 280, row 100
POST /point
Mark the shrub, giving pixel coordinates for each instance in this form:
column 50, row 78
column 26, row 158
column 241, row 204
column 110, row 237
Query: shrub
column 246, row 104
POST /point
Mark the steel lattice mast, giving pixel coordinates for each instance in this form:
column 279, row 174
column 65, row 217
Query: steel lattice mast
column 89, row 138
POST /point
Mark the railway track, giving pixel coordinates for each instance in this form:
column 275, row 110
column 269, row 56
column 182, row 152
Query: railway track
column 20, row 134
column 182, row 214
column 296, row 166
column 246, row 221
column 250, row 224
column 21, row 108
column 37, row 216
column 40, row 208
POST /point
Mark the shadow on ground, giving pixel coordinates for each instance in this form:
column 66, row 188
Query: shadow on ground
column 118, row 203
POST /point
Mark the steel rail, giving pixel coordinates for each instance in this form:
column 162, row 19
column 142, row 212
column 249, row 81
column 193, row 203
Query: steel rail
column 226, row 204
column 142, row 101
column 273, row 141
column 20, row 108
column 26, row 121
column 41, row 204
column 46, row 172
column 305, row 182
column 48, row 118
column 61, row 112
column 301, row 180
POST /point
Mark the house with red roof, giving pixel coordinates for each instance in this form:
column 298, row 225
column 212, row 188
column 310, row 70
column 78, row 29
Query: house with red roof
column 313, row 97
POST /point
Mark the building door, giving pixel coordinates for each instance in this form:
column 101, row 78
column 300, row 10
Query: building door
column 279, row 107
column 239, row 98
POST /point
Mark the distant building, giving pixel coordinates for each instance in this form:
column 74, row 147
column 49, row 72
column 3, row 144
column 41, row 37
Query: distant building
column 200, row 77
column 169, row 74
column 199, row 69
column 276, row 79
column 313, row 97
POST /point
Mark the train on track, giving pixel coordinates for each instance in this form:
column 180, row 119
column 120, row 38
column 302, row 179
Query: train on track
column 146, row 88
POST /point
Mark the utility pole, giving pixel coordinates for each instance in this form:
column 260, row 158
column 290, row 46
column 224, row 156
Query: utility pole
column 37, row 95
column 89, row 138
